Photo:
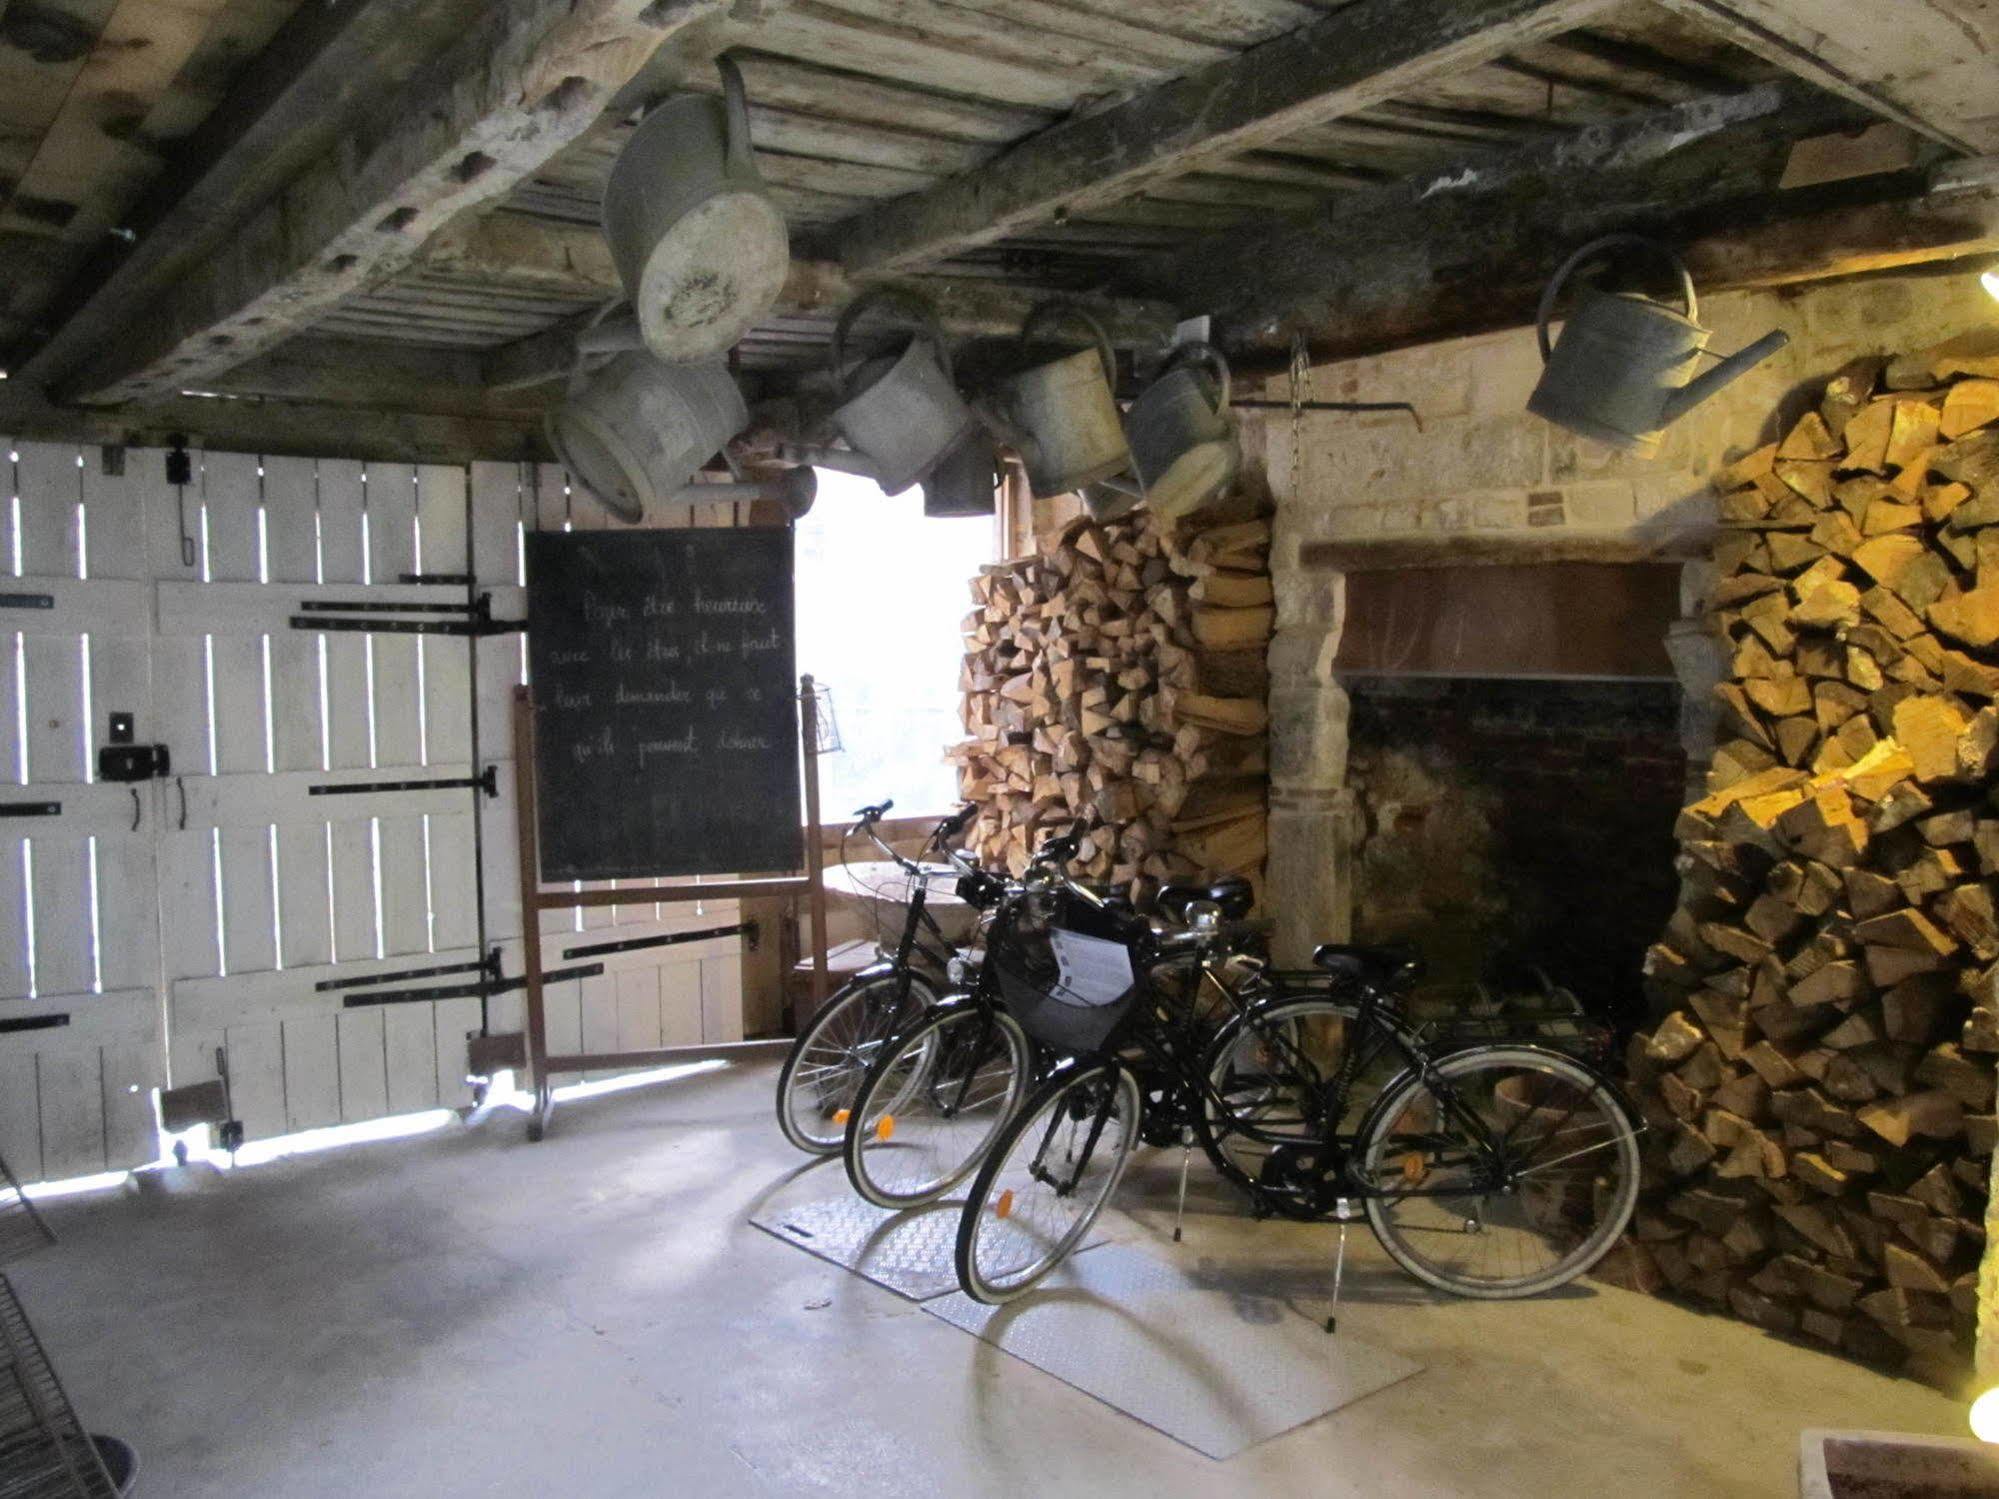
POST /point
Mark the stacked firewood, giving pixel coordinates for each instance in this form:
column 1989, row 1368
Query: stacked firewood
column 1821, row 1092
column 1115, row 681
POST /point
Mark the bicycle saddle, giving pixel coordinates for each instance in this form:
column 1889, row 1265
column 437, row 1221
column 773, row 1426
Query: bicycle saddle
column 1383, row 967
column 1232, row 894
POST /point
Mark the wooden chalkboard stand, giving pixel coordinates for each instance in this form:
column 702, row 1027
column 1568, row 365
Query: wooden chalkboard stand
column 535, row 900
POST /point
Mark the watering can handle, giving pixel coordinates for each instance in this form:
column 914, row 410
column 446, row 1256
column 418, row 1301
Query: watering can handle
column 926, row 321
column 1589, row 251
column 1205, row 353
column 1105, row 352
column 736, row 103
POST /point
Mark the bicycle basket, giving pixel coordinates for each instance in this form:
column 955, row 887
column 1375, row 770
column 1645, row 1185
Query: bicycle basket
column 1068, row 980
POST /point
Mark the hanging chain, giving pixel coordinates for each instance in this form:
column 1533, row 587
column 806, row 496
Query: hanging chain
column 1301, row 392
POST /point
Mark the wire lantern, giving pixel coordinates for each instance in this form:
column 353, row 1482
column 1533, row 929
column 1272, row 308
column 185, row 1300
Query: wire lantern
column 825, row 724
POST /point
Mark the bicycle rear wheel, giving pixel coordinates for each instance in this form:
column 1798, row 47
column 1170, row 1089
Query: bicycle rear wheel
column 822, row 1075
column 933, row 1102
column 1528, row 1200
column 1046, row 1179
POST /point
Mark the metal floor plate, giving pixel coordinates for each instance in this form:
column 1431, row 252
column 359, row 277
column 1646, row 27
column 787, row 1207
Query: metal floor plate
column 908, row 1253
column 1201, row 1357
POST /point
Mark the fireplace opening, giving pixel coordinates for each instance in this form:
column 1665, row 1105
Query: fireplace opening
column 1511, row 826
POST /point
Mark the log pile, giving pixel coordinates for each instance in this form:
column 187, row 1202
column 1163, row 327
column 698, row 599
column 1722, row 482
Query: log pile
column 1116, row 679
column 1821, row 1088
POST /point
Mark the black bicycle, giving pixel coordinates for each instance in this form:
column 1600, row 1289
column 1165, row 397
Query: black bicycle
column 1494, row 1170
column 822, row 1075
column 942, row 1088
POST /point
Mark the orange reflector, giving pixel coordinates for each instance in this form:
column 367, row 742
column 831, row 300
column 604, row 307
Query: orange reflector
column 841, row 1116
column 1005, row 1204
column 1413, row 1169
column 885, row 1127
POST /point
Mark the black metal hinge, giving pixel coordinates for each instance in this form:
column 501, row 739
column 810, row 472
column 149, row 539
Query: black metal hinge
column 359, row 615
column 746, row 929
column 487, row 780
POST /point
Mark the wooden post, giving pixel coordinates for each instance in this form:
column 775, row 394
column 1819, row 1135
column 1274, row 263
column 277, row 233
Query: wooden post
column 530, row 859
column 808, row 731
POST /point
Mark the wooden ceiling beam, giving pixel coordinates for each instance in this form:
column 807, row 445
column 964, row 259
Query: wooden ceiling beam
column 1926, row 66
column 1362, row 55
column 1469, row 250
column 375, row 375
column 516, row 86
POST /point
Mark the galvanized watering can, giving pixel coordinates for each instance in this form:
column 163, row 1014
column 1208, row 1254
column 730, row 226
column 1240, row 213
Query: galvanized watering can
column 1061, row 417
column 699, row 244
column 1183, row 440
column 966, row 480
column 1624, row 366
column 901, row 417
column 636, row 431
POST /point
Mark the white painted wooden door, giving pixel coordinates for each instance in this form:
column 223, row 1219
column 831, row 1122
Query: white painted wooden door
column 288, row 898
column 81, row 1038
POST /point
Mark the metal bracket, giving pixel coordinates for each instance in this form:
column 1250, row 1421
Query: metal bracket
column 745, row 929
column 27, row 601
column 483, row 989
column 30, row 809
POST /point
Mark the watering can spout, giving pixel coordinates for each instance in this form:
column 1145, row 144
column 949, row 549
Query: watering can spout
column 1740, row 363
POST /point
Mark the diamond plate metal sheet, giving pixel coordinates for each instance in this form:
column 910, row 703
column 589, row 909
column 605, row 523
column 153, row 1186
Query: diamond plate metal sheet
column 908, row 1253
column 1214, row 1366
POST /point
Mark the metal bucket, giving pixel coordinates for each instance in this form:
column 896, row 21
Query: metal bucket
column 1062, row 416
column 635, row 431
column 699, row 245
column 1183, row 440
column 904, row 418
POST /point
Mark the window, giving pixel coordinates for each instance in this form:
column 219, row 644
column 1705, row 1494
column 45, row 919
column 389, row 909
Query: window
column 881, row 594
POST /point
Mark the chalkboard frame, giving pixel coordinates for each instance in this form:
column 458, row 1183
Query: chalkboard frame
column 675, row 641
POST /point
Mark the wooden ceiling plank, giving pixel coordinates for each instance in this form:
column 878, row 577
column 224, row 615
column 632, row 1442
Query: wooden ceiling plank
column 514, row 89
column 134, row 62
column 1355, row 58
column 278, row 114
column 1469, row 249
column 1924, row 66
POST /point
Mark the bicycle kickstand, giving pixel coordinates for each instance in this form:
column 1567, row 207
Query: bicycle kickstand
column 1186, row 1154
column 1339, row 1270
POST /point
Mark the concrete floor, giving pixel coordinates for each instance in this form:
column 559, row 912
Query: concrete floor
column 464, row 1313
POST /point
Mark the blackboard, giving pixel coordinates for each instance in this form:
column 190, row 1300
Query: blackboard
column 666, row 710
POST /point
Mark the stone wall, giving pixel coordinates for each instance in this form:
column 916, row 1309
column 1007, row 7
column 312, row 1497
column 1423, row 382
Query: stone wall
column 1485, row 481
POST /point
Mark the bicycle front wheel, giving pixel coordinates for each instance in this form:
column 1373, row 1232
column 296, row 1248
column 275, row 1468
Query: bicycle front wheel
column 822, row 1076
column 1526, row 1198
column 934, row 1102
column 1046, row 1180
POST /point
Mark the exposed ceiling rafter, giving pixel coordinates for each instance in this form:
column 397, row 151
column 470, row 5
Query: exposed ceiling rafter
column 1469, row 250
column 1927, row 66
column 1360, row 56
column 490, row 110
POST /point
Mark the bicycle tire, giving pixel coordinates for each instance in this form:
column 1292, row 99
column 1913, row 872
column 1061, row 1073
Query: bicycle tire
column 841, row 1086
column 987, row 1284
column 1402, row 1096
column 889, row 1167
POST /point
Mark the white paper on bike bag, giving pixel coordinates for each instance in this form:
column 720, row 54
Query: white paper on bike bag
column 1094, row 972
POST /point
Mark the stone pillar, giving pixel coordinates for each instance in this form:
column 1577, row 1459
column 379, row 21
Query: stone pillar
column 1310, row 869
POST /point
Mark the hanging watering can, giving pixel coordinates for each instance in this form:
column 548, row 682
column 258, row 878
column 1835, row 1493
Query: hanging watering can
column 1624, row 366
column 635, row 431
column 699, row 244
column 1183, row 441
column 901, row 419
column 1062, row 417
column 966, row 479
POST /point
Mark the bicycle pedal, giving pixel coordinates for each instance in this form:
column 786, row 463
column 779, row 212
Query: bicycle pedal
column 1332, row 1325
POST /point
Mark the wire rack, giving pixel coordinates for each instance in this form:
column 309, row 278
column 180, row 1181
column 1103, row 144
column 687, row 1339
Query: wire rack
column 21, row 1228
column 44, row 1451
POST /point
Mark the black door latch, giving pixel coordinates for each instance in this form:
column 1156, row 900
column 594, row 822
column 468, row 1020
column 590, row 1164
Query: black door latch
column 119, row 759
